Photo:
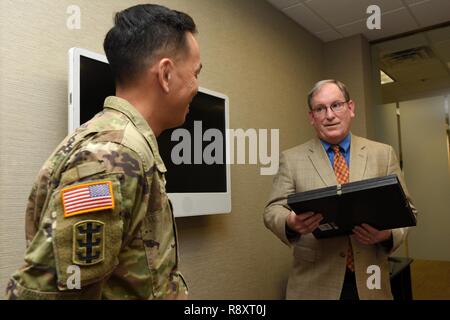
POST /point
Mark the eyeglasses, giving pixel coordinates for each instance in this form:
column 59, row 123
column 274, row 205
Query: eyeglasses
column 336, row 107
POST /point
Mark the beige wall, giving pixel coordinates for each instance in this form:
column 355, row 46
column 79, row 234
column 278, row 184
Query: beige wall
column 377, row 98
column 254, row 54
column 426, row 167
column 348, row 60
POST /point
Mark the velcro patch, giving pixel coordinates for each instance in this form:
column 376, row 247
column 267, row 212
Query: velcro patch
column 87, row 197
column 88, row 242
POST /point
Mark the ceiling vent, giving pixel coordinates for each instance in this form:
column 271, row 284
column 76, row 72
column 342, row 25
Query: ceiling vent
column 409, row 56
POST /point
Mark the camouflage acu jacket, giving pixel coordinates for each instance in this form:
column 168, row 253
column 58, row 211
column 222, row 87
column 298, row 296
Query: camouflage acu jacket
column 99, row 224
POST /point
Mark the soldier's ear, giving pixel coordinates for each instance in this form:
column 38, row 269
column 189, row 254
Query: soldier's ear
column 165, row 69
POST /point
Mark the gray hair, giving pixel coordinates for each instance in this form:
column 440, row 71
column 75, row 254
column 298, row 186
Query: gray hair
column 321, row 83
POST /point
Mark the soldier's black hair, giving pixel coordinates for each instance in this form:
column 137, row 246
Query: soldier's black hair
column 140, row 34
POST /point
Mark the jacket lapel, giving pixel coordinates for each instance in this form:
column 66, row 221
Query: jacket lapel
column 358, row 158
column 321, row 162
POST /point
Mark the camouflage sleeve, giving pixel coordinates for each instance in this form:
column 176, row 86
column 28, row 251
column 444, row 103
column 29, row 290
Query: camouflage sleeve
column 89, row 217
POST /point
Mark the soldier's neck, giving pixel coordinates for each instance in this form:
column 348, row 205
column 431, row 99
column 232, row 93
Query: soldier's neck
column 145, row 102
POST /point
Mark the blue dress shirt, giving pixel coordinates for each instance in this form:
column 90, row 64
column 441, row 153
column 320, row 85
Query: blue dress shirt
column 344, row 147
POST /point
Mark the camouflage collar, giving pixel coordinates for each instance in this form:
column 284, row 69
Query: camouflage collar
column 127, row 109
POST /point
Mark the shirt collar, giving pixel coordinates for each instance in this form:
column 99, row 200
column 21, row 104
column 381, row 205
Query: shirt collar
column 344, row 145
column 123, row 106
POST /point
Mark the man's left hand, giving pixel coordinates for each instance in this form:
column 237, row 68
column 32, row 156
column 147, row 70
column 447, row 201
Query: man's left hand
column 368, row 235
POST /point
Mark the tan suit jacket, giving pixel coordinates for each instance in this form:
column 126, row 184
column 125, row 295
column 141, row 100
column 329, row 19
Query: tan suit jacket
column 319, row 265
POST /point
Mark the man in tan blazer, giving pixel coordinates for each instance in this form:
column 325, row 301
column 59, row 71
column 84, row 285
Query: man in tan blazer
column 320, row 269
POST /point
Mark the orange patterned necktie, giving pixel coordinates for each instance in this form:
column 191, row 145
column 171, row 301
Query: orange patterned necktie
column 342, row 176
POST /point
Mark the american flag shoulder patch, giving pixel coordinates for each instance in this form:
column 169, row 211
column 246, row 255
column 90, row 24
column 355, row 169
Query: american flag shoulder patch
column 87, row 197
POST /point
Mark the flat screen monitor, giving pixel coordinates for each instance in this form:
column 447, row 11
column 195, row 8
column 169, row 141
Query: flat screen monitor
column 195, row 154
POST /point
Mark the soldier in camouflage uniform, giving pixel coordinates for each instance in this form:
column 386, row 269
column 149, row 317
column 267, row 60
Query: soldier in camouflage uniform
column 99, row 208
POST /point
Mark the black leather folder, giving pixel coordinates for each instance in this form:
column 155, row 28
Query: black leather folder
column 379, row 202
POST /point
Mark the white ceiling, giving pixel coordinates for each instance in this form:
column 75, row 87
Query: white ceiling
column 427, row 71
column 335, row 19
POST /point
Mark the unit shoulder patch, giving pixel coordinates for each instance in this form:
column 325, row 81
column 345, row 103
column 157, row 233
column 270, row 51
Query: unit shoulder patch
column 88, row 242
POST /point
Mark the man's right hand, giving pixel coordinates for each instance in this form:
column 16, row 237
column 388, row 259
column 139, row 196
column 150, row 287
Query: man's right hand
column 303, row 223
